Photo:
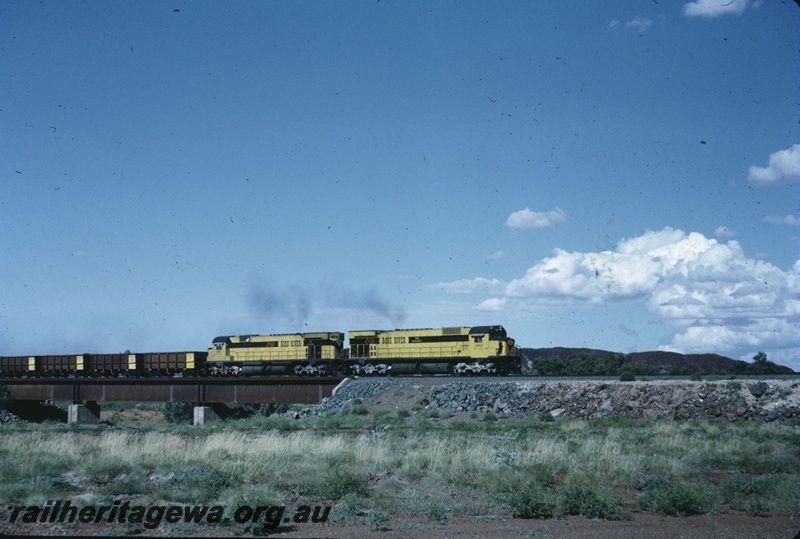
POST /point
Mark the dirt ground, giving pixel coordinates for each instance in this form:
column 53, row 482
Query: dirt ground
column 734, row 525
column 642, row 526
column 132, row 415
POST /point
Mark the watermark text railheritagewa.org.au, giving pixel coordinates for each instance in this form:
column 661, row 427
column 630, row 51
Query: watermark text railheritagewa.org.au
column 151, row 517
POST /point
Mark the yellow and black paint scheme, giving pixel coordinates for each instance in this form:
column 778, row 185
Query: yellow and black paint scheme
column 298, row 353
column 451, row 350
column 18, row 366
column 454, row 350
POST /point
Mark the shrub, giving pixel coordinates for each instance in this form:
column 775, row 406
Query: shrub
column 360, row 409
column 179, row 412
column 585, row 500
column 204, row 483
column 586, row 364
column 132, row 483
column 348, row 509
column 530, row 502
column 218, row 480
column 269, row 409
column 338, row 482
column 376, row 520
column 106, row 470
column 676, row 499
column 253, row 496
column 437, row 512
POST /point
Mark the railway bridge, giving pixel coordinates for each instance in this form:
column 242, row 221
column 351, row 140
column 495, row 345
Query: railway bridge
column 86, row 393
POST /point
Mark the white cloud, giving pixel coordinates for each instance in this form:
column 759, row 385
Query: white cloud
column 783, row 165
column 497, row 255
column 613, row 24
column 778, row 220
column 640, row 23
column 592, row 277
column 492, row 305
column 526, row 219
column 714, row 8
column 714, row 297
column 724, row 232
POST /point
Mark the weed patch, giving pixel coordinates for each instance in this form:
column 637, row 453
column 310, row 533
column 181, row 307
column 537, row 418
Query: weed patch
column 677, row 500
column 588, row 501
column 530, row 501
column 338, row 482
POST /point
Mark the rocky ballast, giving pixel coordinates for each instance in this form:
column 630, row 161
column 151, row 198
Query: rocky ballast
column 768, row 400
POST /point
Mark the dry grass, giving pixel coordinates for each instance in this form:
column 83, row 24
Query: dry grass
column 445, row 469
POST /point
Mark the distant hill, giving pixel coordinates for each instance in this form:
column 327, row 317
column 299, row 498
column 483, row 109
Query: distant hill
column 660, row 362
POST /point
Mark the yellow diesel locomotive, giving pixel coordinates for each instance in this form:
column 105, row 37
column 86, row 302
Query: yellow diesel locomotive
column 452, row 350
column 299, row 353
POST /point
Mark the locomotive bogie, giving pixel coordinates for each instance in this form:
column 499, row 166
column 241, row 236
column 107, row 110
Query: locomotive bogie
column 475, row 368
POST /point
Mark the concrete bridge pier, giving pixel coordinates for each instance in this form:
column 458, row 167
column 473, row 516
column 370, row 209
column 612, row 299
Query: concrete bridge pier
column 84, row 414
column 207, row 414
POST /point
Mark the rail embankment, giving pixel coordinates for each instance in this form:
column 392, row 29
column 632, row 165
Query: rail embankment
column 734, row 400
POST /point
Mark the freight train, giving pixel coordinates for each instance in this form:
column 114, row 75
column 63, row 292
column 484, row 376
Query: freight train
column 480, row 350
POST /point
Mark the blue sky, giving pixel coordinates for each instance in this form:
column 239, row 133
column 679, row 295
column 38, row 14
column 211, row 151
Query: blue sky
column 617, row 175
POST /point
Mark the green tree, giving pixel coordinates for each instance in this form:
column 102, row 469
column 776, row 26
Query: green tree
column 760, row 358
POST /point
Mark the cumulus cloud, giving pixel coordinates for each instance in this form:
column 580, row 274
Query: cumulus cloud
column 778, row 220
column 714, row 8
column 492, row 305
column 629, row 272
column 527, row 219
column 715, row 297
column 783, row 165
column 640, row 23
